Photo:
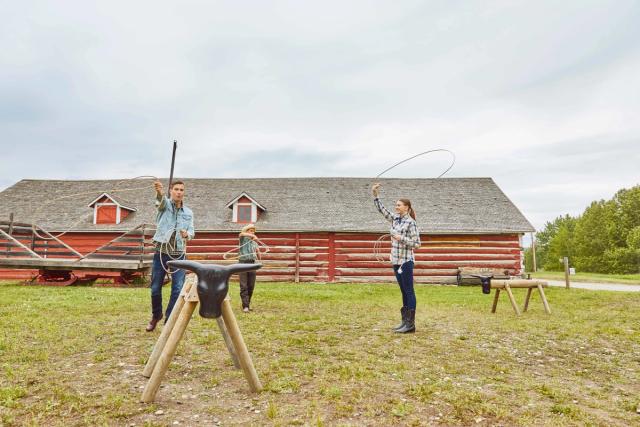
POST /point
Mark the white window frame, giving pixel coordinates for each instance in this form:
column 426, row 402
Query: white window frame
column 254, row 211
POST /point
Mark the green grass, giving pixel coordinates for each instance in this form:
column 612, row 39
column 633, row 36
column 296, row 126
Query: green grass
column 628, row 279
column 325, row 355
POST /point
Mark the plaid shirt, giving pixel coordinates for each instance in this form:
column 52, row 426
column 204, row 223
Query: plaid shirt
column 407, row 229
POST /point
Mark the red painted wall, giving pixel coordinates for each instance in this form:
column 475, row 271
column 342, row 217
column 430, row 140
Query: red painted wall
column 342, row 257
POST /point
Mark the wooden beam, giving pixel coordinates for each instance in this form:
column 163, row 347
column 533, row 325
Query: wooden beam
column 297, row 266
column 12, row 240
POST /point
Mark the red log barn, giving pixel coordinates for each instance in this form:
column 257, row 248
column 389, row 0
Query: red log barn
column 319, row 229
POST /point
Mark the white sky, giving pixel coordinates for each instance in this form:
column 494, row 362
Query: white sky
column 542, row 96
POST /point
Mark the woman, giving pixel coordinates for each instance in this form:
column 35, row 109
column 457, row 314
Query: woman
column 405, row 237
column 248, row 250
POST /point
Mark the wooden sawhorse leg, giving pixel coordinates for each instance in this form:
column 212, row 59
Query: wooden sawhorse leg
column 512, row 299
column 167, row 343
column 168, row 327
column 228, row 342
column 241, row 348
column 547, row 309
column 526, row 300
column 495, row 301
column 169, row 350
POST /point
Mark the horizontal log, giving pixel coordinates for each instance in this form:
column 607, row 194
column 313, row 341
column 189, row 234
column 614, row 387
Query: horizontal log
column 71, row 264
column 117, row 256
column 517, row 283
column 16, row 254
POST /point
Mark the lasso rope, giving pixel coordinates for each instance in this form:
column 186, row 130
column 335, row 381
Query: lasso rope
column 377, row 246
column 164, row 248
column 453, row 161
column 114, row 190
column 258, row 253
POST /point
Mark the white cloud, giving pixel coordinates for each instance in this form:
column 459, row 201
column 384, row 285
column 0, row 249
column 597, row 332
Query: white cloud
column 542, row 97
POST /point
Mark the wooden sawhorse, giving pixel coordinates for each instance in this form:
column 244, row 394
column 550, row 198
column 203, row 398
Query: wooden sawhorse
column 165, row 347
column 529, row 285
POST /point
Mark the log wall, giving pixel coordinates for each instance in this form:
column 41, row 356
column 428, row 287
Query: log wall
column 340, row 257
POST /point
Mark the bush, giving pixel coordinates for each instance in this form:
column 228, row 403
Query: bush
column 622, row 260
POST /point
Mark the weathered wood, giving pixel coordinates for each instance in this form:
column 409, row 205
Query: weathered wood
column 74, row 264
column 517, row 283
column 566, row 272
column 545, row 303
column 228, row 342
column 512, row 300
column 241, row 348
column 495, row 300
column 526, row 300
column 297, row 265
column 169, row 350
column 11, row 239
column 168, row 327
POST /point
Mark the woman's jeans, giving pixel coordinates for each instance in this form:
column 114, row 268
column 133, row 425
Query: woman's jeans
column 157, row 279
column 405, row 280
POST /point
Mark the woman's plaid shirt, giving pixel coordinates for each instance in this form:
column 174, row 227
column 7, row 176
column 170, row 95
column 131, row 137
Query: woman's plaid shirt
column 407, row 229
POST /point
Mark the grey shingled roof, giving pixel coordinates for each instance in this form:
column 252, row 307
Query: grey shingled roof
column 444, row 205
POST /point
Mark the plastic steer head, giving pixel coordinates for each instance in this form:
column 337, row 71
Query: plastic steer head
column 485, row 281
column 213, row 283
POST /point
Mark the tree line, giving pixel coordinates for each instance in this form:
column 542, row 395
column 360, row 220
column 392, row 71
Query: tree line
column 605, row 238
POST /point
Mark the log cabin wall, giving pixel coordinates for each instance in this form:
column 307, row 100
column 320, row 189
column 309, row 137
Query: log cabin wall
column 338, row 257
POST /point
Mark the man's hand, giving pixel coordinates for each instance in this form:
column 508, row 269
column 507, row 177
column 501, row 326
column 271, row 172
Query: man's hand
column 184, row 234
column 396, row 237
column 375, row 189
column 158, row 186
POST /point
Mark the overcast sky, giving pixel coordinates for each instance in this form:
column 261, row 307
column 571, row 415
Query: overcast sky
column 543, row 96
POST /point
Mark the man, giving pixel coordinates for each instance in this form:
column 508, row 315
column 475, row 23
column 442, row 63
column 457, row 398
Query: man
column 174, row 226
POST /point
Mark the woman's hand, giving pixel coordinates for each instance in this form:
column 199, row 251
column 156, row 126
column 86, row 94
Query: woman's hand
column 396, row 237
column 375, row 189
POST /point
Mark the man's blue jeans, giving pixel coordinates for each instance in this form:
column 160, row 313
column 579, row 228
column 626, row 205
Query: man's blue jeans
column 157, row 279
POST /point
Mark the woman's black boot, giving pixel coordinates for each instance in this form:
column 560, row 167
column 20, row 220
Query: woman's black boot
column 410, row 325
column 403, row 314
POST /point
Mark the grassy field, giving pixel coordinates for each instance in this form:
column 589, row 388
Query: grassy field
column 629, row 279
column 73, row 356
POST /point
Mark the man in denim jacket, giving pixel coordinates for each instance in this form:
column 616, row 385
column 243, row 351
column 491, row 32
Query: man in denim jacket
column 174, row 226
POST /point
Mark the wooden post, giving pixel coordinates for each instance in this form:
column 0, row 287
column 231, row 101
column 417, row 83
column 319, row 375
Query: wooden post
column 544, row 299
column 566, row 272
column 168, row 327
column 512, row 299
column 495, row 301
column 332, row 257
column 151, row 389
column 241, row 348
column 533, row 251
column 526, row 300
column 297, row 273
column 228, row 342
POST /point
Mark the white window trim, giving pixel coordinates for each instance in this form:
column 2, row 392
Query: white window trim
column 254, row 211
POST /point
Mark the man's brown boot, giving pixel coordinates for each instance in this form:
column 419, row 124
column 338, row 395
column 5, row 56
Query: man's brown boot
column 152, row 324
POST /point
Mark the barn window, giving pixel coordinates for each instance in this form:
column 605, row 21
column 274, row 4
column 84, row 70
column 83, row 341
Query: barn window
column 245, row 209
column 109, row 210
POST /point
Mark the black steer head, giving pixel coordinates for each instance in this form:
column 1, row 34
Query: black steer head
column 213, row 283
column 485, row 281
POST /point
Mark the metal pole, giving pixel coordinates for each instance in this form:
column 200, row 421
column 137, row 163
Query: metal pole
column 173, row 160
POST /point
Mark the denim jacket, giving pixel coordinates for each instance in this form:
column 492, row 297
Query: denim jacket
column 170, row 219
